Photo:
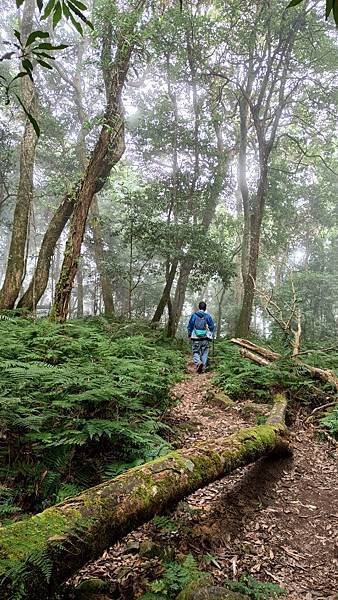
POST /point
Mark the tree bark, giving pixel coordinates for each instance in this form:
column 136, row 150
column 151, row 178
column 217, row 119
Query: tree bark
column 17, row 251
column 166, row 292
column 219, row 313
column 64, row 537
column 39, row 282
column 79, row 291
column 256, row 218
column 106, row 286
column 107, row 152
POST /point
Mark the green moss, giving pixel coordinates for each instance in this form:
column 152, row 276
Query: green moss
column 19, row 540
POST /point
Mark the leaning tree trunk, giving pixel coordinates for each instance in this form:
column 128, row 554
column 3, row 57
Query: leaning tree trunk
column 180, row 292
column 39, row 282
column 165, row 298
column 107, row 152
column 17, row 251
column 43, row 551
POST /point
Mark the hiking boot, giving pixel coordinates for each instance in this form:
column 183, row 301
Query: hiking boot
column 199, row 368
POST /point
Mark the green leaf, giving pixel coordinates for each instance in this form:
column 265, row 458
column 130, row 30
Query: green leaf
column 29, row 116
column 27, row 65
column 57, row 14
column 48, row 46
column 44, row 64
column 49, row 56
column 294, row 3
column 48, row 9
column 65, row 9
column 80, row 14
column 76, row 24
column 19, row 3
column 80, row 5
column 18, row 36
column 18, row 76
column 35, row 35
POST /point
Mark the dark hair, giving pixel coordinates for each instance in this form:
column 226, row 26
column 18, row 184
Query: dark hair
column 202, row 306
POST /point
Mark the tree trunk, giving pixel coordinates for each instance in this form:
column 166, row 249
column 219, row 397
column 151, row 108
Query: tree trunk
column 79, row 291
column 165, row 299
column 180, row 291
column 39, row 282
column 255, row 234
column 266, row 121
column 107, row 152
column 219, row 315
column 16, row 257
column 56, row 226
column 106, row 286
column 166, row 292
column 269, row 354
column 64, row 537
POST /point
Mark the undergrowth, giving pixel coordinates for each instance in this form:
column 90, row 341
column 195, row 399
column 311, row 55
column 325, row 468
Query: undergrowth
column 177, row 575
column 80, row 402
column 242, row 379
column 330, row 422
column 254, row 589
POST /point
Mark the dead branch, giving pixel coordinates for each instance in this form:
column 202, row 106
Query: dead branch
column 269, row 354
column 258, row 352
column 254, row 357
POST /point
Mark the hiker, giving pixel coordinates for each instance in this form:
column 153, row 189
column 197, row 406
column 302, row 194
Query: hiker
column 200, row 330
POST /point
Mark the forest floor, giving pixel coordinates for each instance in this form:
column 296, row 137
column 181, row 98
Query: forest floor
column 276, row 519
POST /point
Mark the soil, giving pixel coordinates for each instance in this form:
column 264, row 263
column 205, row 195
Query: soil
column 277, row 519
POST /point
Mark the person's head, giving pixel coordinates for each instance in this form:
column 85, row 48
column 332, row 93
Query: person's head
column 202, row 306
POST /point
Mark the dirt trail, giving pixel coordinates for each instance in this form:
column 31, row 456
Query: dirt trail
column 275, row 519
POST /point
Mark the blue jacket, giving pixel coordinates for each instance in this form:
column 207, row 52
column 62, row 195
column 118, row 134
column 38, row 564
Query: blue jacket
column 192, row 320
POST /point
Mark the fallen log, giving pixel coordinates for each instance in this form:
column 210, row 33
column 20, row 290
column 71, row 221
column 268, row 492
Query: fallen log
column 259, row 360
column 264, row 356
column 38, row 554
column 266, row 352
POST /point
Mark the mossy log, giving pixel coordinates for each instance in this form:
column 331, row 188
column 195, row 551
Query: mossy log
column 38, row 554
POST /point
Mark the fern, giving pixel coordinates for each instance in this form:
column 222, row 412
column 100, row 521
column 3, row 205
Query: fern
column 177, row 576
column 76, row 398
column 330, row 422
column 240, row 378
column 254, row 589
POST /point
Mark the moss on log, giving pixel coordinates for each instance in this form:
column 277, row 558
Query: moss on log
column 38, row 554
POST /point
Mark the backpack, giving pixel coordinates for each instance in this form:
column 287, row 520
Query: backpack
column 200, row 326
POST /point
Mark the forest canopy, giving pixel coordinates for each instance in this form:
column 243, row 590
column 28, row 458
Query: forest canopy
column 112, row 210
